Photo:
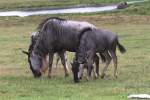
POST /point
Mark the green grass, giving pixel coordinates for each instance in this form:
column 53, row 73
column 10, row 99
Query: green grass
column 17, row 82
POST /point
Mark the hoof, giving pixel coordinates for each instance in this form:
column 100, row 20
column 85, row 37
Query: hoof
column 97, row 77
column 49, row 77
column 115, row 77
column 88, row 78
column 102, row 76
column 66, row 75
column 80, row 78
column 76, row 81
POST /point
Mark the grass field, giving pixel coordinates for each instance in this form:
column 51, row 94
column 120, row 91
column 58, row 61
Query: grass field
column 17, row 82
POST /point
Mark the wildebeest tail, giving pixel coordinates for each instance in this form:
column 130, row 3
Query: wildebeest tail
column 121, row 47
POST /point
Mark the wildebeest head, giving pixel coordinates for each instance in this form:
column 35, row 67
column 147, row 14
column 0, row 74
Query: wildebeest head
column 35, row 61
column 75, row 70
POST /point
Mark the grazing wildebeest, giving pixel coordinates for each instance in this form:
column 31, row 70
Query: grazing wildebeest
column 45, row 61
column 55, row 35
column 95, row 70
column 93, row 41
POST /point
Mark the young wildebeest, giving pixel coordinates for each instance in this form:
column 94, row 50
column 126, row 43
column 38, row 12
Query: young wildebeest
column 93, row 41
column 78, row 72
column 45, row 60
column 55, row 35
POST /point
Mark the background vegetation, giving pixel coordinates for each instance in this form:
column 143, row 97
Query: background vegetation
column 36, row 4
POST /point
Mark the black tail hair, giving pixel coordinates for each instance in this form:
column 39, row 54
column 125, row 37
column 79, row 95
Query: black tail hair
column 121, row 47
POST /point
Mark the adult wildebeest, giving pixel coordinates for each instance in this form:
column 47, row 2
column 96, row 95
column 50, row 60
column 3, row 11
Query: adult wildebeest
column 55, row 35
column 93, row 41
column 45, row 60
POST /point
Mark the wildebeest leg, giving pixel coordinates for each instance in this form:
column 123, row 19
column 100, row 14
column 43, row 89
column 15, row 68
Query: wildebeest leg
column 51, row 55
column 114, row 57
column 81, row 69
column 108, row 60
column 90, row 68
column 96, row 60
column 90, row 58
column 57, row 60
column 94, row 72
column 63, row 57
column 45, row 63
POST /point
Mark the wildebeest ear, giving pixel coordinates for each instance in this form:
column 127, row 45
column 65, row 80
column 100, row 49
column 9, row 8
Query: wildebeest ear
column 25, row 52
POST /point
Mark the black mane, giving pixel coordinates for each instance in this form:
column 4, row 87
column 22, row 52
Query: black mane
column 40, row 48
column 45, row 20
column 31, row 46
column 37, row 45
column 83, row 31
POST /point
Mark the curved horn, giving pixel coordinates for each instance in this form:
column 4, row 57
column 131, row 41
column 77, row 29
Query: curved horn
column 25, row 52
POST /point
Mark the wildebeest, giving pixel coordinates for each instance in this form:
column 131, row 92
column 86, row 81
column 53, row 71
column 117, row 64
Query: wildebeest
column 45, row 60
column 55, row 35
column 122, row 5
column 93, row 41
column 78, row 72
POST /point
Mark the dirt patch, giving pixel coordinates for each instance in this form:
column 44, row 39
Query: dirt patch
column 59, row 71
column 96, row 19
column 13, row 71
column 114, row 19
